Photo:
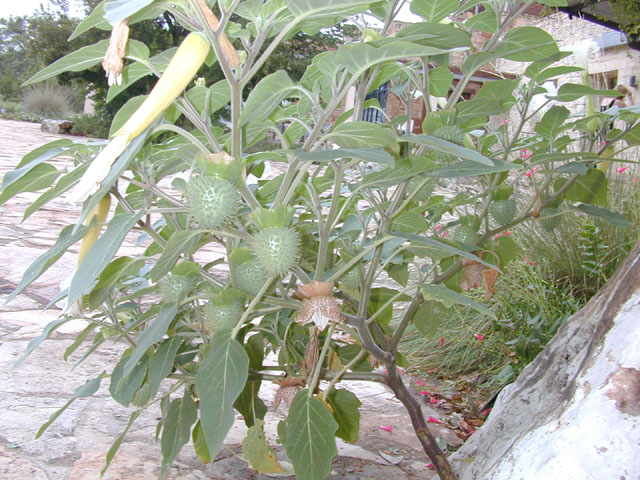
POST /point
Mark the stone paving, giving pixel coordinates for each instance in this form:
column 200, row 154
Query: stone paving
column 74, row 447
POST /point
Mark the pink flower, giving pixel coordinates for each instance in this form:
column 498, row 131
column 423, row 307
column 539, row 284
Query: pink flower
column 425, row 393
column 441, row 341
column 384, row 372
column 420, row 384
column 530, row 173
column 507, row 233
column 387, row 428
column 430, row 466
column 433, row 400
column 635, row 181
column 504, row 123
column 401, row 371
column 443, row 234
column 486, row 412
column 498, row 235
column 433, row 420
column 621, row 169
column 524, row 153
column 479, row 336
column 603, row 143
column 438, row 227
column 529, row 262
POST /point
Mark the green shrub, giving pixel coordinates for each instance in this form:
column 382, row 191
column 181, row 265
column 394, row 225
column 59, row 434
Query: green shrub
column 90, row 126
column 48, row 100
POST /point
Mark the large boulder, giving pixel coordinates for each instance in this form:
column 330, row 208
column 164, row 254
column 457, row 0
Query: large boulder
column 573, row 413
column 56, row 126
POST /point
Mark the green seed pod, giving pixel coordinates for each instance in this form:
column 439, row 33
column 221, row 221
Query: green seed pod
column 276, row 249
column 351, row 279
column 503, row 211
column 450, row 133
column 211, row 200
column 250, row 276
column 174, row 289
column 465, row 235
column 219, row 316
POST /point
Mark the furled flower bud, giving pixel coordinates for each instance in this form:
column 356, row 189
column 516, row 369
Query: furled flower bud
column 113, row 62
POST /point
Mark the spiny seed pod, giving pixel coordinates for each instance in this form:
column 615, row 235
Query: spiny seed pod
column 466, row 235
column 211, row 200
column 276, row 248
column 220, row 316
column 351, row 279
column 549, row 219
column 450, row 133
column 503, row 211
column 174, row 289
column 250, row 276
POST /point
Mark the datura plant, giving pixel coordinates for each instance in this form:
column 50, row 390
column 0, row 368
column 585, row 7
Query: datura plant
column 325, row 247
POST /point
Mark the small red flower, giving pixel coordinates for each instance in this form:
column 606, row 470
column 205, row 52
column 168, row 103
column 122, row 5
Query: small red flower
column 420, row 384
column 433, row 420
column 443, row 234
column 387, row 428
column 430, row 466
column 530, row 173
column 479, row 336
column 504, row 123
column 438, row 227
column 425, row 393
column 507, row 233
column 621, row 169
column 441, row 341
column 524, row 153
column 486, row 412
column 498, row 235
column 433, row 400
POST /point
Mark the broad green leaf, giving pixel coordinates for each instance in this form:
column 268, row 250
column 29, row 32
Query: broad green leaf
column 474, row 61
column 37, row 178
column 266, row 96
column 66, row 238
column 504, row 247
column 94, row 20
column 612, row 217
column 553, row 72
column 46, row 331
column 307, row 8
column 123, row 391
column 87, row 390
column 486, row 21
column 35, row 158
column 409, row 222
column 310, row 437
column 374, row 155
column 430, row 34
column 551, row 123
column 179, row 243
column 570, row 92
column 499, row 90
column 632, row 137
column 200, row 444
column 440, row 81
column 429, row 317
column 61, row 186
column 400, row 273
column 257, row 451
column 110, row 276
column 79, row 340
column 218, row 383
column 250, row 405
column 116, row 445
column 434, row 10
column 219, row 95
column 444, row 146
column 346, row 414
column 360, row 135
column 117, row 10
column 478, row 106
column 161, row 362
column 176, row 428
column 526, row 44
column 449, row 298
column 150, row 335
column 470, row 169
column 590, row 188
column 100, row 254
column 538, row 66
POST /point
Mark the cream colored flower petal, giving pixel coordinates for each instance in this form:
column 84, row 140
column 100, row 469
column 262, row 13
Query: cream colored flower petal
column 98, row 170
column 320, row 319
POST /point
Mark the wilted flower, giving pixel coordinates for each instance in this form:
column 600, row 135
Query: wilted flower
column 318, row 305
column 289, row 387
column 113, row 62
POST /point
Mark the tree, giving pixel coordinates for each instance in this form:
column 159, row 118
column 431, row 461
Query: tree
column 304, row 250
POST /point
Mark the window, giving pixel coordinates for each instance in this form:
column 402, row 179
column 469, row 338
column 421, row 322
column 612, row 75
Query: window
column 374, row 115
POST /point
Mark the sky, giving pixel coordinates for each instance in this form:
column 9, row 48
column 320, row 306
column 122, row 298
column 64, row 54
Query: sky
column 22, row 7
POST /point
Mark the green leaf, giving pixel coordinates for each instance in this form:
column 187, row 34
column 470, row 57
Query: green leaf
column 569, row 92
column 429, row 317
column 310, row 437
column 74, row 62
column 552, row 72
column 66, row 238
column 200, row 444
column 79, row 340
column 110, row 276
column 434, row 10
column 632, row 137
column 526, row 44
column 360, row 135
column 117, row 10
column 374, row 155
column 440, row 81
column 590, row 188
column 474, row 61
column 552, row 122
column 400, row 273
column 179, row 243
column 401, row 171
column 61, row 186
column 409, row 222
column 116, row 445
column 219, row 95
column 250, row 405
column 37, row 178
column 87, row 390
column 471, row 169
column 123, row 391
column 346, row 414
column 46, row 331
column 430, row 34
column 449, row 298
column 504, row 247
column 218, row 383
column 450, row 148
column 100, row 254
column 257, row 451
column 613, row 218
column 486, row 21
column 150, row 335
column 35, row 158
column 266, row 96
column 161, row 362
column 94, row 20
column 176, row 429
column 478, row 106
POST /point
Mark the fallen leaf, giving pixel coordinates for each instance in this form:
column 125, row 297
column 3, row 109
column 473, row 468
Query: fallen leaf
column 393, row 460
